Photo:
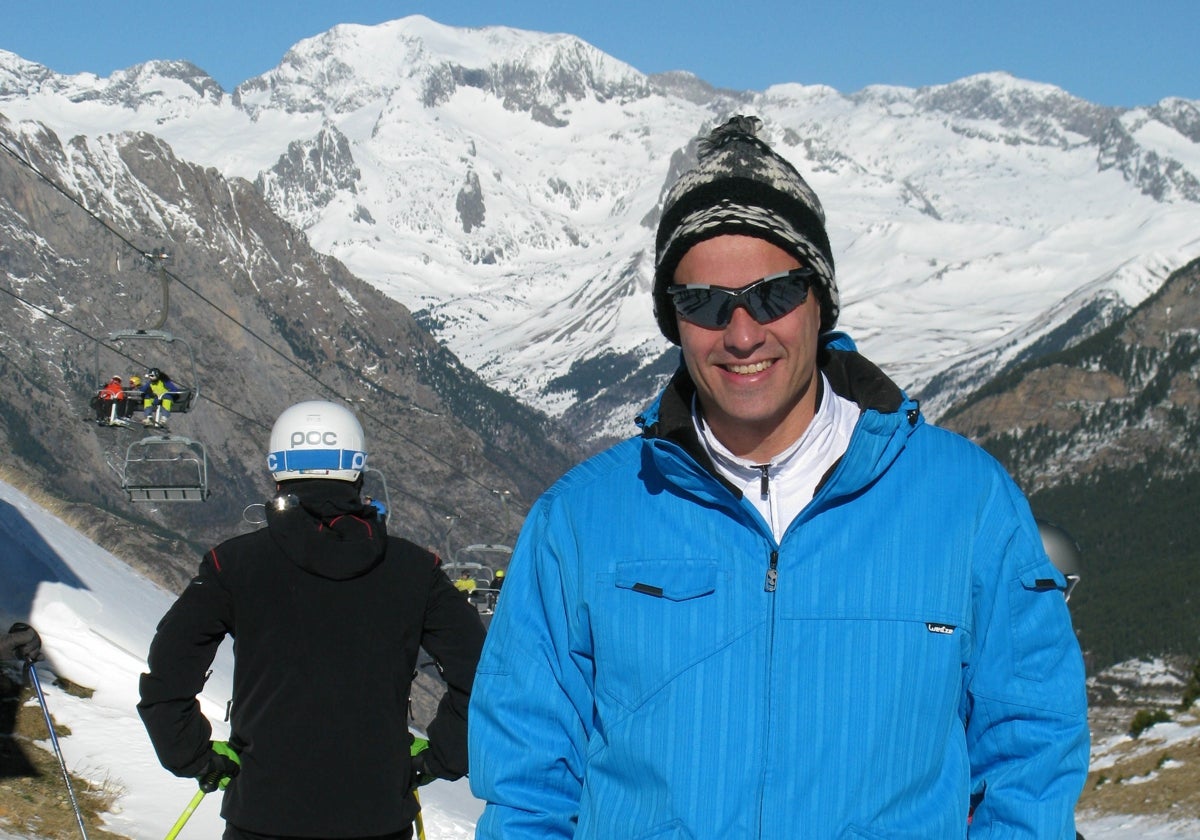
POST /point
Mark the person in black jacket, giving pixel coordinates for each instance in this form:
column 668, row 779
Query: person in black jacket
column 327, row 613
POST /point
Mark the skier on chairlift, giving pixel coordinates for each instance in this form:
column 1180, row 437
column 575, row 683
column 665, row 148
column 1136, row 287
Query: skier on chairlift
column 108, row 402
column 159, row 394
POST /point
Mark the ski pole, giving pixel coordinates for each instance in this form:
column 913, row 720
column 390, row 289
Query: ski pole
column 62, row 765
column 186, row 815
column 420, row 820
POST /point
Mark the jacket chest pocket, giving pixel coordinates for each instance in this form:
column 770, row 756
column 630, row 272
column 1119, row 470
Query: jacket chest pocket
column 652, row 621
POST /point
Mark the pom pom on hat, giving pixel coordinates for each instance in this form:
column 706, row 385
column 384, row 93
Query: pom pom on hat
column 740, row 186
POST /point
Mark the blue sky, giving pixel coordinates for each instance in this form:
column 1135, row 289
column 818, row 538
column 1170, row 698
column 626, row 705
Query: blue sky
column 1132, row 52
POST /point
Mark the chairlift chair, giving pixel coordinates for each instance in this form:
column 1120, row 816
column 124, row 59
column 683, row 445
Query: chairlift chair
column 189, row 387
column 166, row 468
column 481, row 552
column 485, row 595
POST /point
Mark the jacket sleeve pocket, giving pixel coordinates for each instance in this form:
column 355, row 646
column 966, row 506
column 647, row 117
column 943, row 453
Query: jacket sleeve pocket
column 1036, row 608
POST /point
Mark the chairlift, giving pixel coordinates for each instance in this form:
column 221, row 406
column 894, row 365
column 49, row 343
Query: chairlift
column 476, row 561
column 480, row 552
column 166, row 468
column 189, row 388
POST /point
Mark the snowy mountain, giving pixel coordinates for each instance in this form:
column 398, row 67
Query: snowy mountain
column 504, row 185
column 96, row 617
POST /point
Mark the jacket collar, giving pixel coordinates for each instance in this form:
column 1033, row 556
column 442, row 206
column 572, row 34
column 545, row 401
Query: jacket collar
column 888, row 417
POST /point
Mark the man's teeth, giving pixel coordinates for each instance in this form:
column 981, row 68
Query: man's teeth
column 757, row 367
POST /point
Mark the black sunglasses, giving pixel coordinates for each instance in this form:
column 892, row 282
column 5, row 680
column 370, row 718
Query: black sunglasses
column 766, row 299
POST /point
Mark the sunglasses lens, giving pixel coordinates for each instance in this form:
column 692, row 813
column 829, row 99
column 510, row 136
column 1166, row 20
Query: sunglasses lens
column 766, row 299
column 776, row 298
column 705, row 307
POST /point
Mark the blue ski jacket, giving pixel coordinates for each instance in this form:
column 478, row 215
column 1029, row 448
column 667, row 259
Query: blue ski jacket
column 900, row 665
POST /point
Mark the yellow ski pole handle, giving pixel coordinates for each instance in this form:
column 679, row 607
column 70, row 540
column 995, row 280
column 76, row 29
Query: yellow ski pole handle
column 186, row 815
column 420, row 820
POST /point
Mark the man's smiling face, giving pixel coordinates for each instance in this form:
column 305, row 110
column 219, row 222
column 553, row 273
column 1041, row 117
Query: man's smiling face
column 756, row 382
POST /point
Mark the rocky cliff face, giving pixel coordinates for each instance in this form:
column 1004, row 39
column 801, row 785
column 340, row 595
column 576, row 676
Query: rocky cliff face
column 1126, row 394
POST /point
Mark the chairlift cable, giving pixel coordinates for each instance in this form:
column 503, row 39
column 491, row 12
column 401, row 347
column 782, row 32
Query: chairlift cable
column 172, row 276
column 124, row 355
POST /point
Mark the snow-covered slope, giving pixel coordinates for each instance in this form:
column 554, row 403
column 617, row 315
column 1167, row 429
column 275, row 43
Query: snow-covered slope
column 506, row 183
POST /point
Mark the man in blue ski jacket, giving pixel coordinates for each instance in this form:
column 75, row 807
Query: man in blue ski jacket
column 791, row 607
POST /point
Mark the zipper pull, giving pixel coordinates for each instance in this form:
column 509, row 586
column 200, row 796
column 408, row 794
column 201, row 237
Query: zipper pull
column 764, row 479
column 772, row 572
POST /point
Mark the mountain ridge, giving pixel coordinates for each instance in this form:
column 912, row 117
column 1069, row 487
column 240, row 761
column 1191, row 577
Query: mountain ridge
column 977, row 226
column 494, row 163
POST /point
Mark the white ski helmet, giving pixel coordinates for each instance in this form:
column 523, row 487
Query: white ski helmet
column 317, row 439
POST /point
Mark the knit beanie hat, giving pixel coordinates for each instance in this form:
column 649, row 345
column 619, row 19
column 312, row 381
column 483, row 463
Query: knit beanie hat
column 740, row 186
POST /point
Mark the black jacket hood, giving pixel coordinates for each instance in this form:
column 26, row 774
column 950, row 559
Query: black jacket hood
column 324, row 528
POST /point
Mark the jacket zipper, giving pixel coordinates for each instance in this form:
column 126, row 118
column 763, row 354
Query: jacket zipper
column 764, row 478
column 772, row 572
column 769, row 587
